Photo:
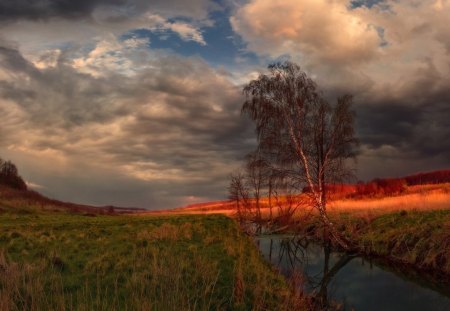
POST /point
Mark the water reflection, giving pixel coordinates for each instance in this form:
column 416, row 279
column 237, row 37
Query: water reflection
column 351, row 280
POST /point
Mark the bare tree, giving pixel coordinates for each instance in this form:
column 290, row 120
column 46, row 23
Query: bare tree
column 301, row 134
column 256, row 173
column 239, row 194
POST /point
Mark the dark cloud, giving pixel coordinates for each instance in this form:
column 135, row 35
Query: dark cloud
column 118, row 10
column 108, row 122
column 366, row 3
column 59, row 96
column 175, row 125
column 387, row 123
column 44, row 9
column 174, row 130
column 411, row 117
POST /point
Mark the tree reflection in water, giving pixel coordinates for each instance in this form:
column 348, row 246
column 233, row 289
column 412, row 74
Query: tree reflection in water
column 293, row 254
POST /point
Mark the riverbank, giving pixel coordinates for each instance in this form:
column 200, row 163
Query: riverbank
column 354, row 281
column 413, row 239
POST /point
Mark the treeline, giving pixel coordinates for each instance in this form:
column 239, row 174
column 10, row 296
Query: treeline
column 392, row 186
column 436, row 177
column 379, row 186
column 9, row 176
column 385, row 186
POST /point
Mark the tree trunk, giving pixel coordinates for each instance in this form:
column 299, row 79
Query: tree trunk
column 331, row 230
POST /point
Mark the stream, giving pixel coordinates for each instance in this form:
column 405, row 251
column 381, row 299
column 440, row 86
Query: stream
column 352, row 281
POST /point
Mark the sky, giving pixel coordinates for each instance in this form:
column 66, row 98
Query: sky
column 137, row 102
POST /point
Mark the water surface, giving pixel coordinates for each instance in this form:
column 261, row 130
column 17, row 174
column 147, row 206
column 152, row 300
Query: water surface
column 355, row 282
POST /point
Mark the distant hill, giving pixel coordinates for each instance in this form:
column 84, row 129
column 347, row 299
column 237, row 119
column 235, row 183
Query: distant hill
column 16, row 197
column 25, row 201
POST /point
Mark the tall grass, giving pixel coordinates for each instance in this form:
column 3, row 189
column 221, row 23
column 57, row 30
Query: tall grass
column 62, row 262
column 164, row 286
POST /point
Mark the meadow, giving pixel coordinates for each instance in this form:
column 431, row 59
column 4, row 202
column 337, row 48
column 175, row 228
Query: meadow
column 61, row 256
column 60, row 261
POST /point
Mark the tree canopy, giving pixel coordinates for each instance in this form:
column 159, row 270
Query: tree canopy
column 9, row 176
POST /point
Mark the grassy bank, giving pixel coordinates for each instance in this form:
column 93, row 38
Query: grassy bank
column 418, row 239
column 73, row 262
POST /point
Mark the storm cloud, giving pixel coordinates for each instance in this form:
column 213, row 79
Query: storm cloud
column 111, row 102
column 12, row 10
column 392, row 55
column 171, row 121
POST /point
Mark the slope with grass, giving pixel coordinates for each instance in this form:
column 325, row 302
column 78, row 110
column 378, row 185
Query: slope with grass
column 23, row 201
column 75, row 262
column 418, row 240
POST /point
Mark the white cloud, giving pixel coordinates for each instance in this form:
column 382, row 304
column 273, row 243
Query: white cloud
column 315, row 30
column 110, row 54
column 33, row 185
column 367, row 51
column 187, row 32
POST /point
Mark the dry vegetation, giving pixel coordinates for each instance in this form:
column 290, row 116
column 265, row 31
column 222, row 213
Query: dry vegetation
column 419, row 198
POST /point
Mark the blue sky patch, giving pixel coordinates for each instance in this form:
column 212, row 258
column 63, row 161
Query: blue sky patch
column 223, row 46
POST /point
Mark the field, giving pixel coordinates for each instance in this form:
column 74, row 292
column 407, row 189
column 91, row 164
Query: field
column 60, row 256
column 72, row 262
column 410, row 229
column 414, row 198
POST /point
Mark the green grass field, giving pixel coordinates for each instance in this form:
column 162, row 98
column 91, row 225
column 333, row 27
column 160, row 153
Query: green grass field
column 58, row 261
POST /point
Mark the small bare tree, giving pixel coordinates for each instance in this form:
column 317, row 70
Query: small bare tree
column 302, row 135
column 239, row 194
column 256, row 176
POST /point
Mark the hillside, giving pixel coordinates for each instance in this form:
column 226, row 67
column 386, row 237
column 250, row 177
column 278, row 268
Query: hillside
column 28, row 201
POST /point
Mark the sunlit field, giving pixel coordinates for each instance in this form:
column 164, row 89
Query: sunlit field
column 419, row 198
column 414, row 198
column 411, row 228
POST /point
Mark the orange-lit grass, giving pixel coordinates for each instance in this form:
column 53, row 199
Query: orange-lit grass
column 416, row 198
column 420, row 198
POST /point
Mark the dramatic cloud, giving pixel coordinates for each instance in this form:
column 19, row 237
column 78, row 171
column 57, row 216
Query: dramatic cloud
column 99, row 102
column 173, row 120
column 320, row 29
column 384, row 40
column 44, row 9
column 63, row 23
column 11, row 10
column 185, row 31
column 393, row 55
